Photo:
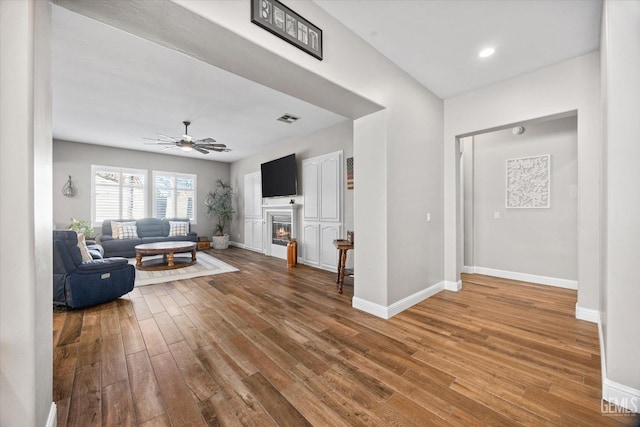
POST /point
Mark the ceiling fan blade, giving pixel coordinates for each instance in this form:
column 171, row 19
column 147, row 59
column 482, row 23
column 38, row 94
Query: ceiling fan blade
column 220, row 149
column 213, row 145
column 168, row 137
column 202, row 150
column 159, row 143
column 205, row 141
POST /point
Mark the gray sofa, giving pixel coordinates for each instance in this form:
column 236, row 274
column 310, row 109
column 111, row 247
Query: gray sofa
column 149, row 230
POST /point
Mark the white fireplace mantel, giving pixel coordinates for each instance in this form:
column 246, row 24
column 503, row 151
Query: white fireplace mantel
column 268, row 212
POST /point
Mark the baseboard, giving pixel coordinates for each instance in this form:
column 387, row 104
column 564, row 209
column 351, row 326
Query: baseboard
column 386, row 312
column 243, row 246
column 615, row 393
column 52, row 420
column 452, row 286
column 377, row 310
column 467, row 269
column 620, row 395
column 524, row 277
column 588, row 314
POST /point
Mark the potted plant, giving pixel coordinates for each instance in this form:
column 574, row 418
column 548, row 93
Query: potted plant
column 82, row 227
column 219, row 202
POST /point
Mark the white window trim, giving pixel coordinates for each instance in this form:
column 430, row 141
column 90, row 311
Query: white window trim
column 95, row 168
column 175, row 175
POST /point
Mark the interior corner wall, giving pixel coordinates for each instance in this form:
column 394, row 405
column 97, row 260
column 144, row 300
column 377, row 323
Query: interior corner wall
column 533, row 241
column 370, row 209
column 338, row 137
column 570, row 86
column 75, row 159
column 622, row 58
column 26, row 348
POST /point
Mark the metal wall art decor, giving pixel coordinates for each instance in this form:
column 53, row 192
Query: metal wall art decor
column 278, row 19
column 528, row 182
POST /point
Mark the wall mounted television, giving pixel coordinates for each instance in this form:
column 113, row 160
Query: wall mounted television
column 280, row 177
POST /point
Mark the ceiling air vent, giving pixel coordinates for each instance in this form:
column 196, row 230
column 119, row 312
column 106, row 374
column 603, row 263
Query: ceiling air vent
column 288, row 118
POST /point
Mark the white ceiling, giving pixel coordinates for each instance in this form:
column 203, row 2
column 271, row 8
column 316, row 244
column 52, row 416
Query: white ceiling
column 113, row 88
column 438, row 41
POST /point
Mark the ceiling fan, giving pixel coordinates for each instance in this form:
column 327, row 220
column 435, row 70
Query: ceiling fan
column 187, row 143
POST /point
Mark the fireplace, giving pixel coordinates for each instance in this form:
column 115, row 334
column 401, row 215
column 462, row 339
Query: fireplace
column 281, row 230
column 280, row 226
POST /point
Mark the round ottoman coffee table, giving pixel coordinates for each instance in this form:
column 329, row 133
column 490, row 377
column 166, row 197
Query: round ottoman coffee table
column 167, row 250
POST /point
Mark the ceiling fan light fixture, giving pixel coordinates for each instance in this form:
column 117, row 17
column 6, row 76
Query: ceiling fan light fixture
column 187, row 143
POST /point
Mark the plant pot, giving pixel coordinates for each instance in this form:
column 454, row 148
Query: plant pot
column 220, row 242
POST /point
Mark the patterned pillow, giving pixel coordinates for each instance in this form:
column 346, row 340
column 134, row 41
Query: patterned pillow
column 84, row 251
column 115, row 227
column 128, row 232
column 178, row 228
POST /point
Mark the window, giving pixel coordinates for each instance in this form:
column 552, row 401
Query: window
column 118, row 193
column 174, row 195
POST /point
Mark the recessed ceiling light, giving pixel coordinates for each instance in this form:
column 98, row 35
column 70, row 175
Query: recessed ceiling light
column 486, row 52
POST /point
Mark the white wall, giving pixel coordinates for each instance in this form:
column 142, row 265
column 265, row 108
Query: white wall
column 354, row 80
column 539, row 242
column 75, row 159
column 25, row 214
column 334, row 138
column 567, row 87
column 621, row 56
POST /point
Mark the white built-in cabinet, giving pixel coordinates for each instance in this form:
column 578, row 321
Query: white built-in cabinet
column 253, row 221
column 322, row 209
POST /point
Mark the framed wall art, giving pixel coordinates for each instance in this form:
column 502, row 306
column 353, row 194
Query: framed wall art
column 278, row 19
column 529, row 182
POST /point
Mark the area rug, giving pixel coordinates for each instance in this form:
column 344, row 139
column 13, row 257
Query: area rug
column 205, row 265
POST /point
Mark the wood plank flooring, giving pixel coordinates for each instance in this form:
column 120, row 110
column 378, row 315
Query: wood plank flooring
column 275, row 346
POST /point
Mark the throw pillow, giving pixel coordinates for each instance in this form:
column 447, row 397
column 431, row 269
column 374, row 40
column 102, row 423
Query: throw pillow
column 178, row 228
column 116, row 226
column 84, row 251
column 128, row 232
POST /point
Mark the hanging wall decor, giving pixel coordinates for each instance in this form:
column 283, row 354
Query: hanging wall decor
column 350, row 173
column 529, row 182
column 278, row 19
column 69, row 190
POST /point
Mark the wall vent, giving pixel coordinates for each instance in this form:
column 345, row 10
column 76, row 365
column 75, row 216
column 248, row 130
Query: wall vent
column 288, row 118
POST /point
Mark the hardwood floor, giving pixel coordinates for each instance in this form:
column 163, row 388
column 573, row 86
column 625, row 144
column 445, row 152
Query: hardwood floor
column 272, row 346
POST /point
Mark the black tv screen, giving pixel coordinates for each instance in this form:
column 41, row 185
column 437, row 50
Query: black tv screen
column 279, row 177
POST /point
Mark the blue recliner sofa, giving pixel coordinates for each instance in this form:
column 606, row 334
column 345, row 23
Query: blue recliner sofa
column 77, row 283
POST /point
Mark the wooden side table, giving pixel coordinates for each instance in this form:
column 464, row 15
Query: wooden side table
column 343, row 247
column 203, row 243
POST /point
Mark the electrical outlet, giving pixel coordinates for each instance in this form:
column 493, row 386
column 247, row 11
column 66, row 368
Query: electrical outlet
column 428, row 216
column 496, row 215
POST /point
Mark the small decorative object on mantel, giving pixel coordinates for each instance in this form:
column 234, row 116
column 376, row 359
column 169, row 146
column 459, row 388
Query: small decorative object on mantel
column 278, row 19
column 292, row 202
column 68, row 190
